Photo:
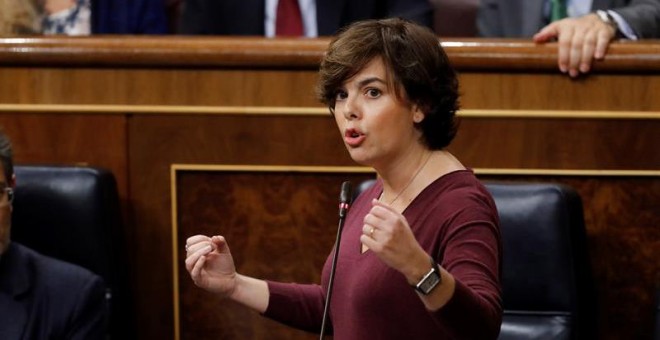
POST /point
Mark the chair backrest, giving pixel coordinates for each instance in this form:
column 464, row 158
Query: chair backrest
column 548, row 291
column 73, row 214
column 547, row 288
column 657, row 316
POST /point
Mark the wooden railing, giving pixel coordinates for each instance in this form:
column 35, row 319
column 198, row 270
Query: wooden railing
column 465, row 54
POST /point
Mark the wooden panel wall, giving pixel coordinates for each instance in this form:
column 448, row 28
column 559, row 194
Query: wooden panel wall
column 138, row 106
column 73, row 139
column 281, row 225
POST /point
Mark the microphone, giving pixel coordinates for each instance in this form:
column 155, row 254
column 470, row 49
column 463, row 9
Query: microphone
column 344, row 199
column 344, row 205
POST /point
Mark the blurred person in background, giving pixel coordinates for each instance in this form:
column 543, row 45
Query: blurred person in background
column 583, row 28
column 42, row 297
column 314, row 17
column 19, row 17
column 82, row 17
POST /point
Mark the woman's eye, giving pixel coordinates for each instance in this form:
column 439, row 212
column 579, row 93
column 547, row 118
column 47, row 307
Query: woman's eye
column 341, row 95
column 374, row 93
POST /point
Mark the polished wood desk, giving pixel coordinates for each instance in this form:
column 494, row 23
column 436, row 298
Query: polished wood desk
column 210, row 134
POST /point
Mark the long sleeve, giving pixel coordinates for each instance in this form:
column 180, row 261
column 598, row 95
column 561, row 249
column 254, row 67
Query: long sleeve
column 643, row 16
column 296, row 305
column 470, row 251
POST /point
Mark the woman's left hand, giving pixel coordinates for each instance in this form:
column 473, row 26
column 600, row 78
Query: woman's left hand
column 386, row 232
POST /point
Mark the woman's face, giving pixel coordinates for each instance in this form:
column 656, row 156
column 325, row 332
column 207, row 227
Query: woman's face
column 377, row 127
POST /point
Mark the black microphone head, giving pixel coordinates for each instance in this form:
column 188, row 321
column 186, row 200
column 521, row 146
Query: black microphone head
column 345, row 195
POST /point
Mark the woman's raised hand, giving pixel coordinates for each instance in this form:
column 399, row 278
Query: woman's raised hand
column 210, row 264
column 387, row 233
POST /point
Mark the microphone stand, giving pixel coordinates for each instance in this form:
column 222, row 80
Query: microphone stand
column 344, row 203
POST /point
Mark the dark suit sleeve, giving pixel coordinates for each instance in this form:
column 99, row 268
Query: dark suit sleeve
column 128, row 17
column 643, row 16
column 193, row 20
column 89, row 320
column 151, row 18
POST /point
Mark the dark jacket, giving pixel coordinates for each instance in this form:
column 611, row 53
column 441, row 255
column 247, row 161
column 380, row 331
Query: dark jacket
column 246, row 17
column 44, row 298
column 523, row 18
column 128, row 17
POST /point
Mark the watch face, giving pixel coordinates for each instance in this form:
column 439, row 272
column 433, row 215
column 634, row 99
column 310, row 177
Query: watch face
column 428, row 282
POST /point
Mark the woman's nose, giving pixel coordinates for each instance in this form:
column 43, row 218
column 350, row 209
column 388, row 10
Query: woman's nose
column 350, row 108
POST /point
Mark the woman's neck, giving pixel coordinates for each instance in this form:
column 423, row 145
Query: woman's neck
column 399, row 179
column 403, row 181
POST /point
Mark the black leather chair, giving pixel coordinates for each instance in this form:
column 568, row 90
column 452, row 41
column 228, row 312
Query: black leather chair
column 73, row 214
column 547, row 287
column 657, row 316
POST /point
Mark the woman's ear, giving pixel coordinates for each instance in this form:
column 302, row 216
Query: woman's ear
column 418, row 114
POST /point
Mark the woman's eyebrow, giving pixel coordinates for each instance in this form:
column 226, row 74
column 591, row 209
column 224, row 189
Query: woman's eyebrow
column 370, row 80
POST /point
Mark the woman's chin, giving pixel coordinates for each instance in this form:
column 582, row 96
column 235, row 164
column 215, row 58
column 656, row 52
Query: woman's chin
column 360, row 158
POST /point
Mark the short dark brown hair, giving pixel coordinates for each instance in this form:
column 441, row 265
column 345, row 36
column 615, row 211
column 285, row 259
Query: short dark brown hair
column 415, row 62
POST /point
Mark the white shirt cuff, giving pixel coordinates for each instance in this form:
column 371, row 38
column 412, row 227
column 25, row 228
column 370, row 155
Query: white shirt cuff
column 625, row 29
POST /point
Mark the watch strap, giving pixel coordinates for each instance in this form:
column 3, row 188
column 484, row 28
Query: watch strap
column 430, row 280
column 607, row 18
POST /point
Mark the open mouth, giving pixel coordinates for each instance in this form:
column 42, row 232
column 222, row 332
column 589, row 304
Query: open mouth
column 353, row 137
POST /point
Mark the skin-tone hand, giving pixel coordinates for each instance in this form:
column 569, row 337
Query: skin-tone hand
column 392, row 239
column 580, row 40
column 394, row 243
column 210, row 264
column 211, row 267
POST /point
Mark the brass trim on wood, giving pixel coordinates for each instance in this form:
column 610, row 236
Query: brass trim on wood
column 272, row 168
column 360, row 169
column 563, row 114
column 165, row 109
column 567, row 172
column 305, row 111
column 175, row 255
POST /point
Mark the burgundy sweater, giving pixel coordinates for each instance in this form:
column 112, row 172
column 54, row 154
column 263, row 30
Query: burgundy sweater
column 455, row 220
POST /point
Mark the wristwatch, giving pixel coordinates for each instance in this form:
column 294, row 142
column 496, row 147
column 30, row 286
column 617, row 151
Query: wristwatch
column 430, row 280
column 608, row 19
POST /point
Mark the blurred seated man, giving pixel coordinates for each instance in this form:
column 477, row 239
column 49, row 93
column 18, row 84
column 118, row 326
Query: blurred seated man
column 82, row 17
column 316, row 17
column 41, row 297
column 19, row 17
column 582, row 28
